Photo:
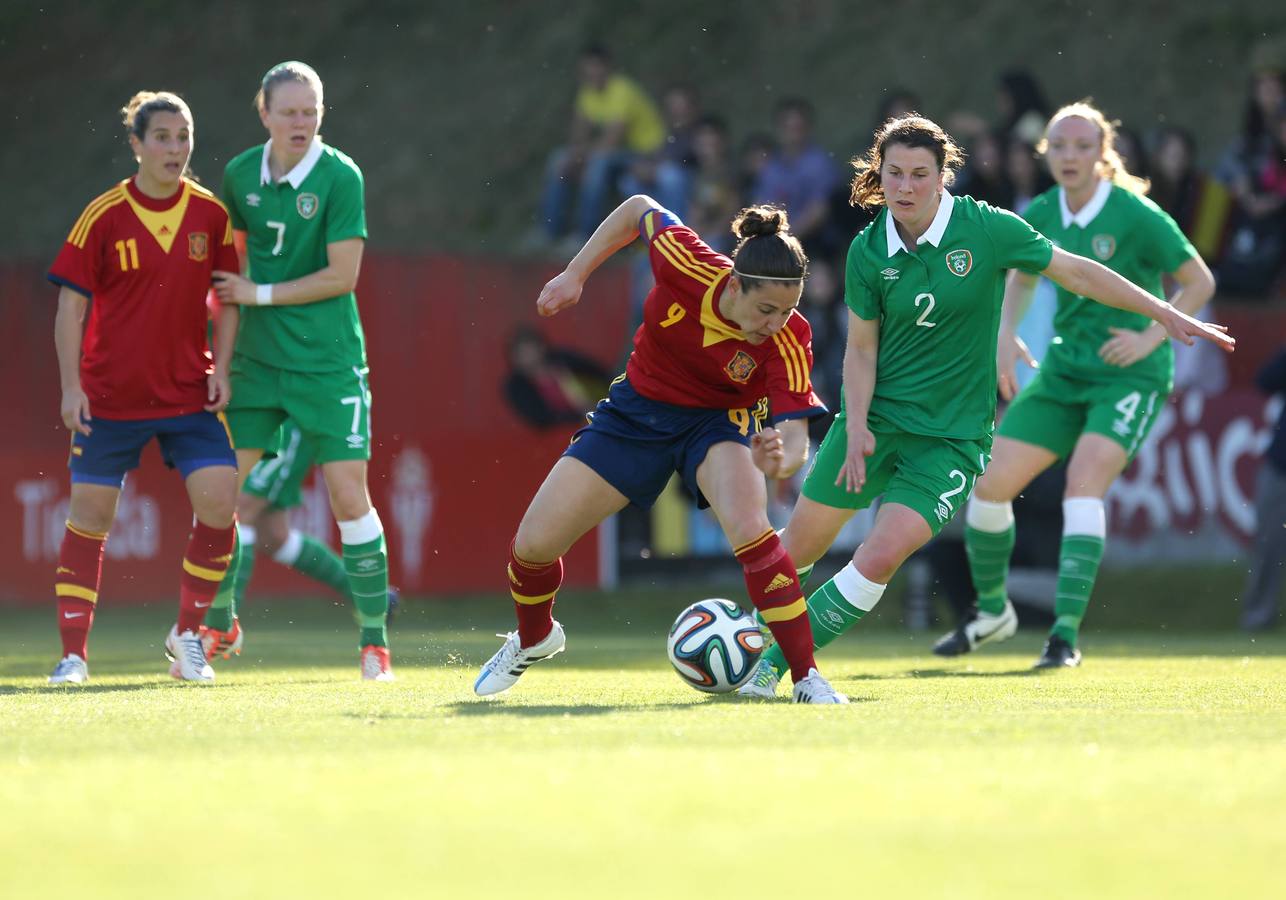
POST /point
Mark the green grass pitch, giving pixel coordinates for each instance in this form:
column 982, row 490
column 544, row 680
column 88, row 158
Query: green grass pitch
column 1157, row 770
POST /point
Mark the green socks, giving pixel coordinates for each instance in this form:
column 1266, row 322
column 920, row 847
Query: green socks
column 366, row 565
column 833, row 609
column 989, row 542
column 1084, row 532
column 223, row 607
column 247, row 537
column 309, row 556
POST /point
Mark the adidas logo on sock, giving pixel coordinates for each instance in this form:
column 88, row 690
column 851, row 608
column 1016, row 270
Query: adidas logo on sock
column 779, row 581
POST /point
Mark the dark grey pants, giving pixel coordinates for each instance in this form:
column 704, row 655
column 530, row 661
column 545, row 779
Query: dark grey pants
column 1268, row 555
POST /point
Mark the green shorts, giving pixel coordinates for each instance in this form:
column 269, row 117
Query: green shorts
column 931, row 475
column 1055, row 409
column 278, row 480
column 332, row 409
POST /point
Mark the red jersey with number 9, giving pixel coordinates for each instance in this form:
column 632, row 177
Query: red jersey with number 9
column 687, row 354
column 146, row 264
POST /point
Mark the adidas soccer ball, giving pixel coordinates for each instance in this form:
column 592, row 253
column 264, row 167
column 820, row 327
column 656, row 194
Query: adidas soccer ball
column 714, row 646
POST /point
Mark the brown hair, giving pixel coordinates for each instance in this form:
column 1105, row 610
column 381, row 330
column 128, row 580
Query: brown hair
column 911, row 130
column 288, row 71
column 1110, row 165
column 138, row 112
column 766, row 250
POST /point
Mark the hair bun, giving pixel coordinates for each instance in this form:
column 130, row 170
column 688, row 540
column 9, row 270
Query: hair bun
column 754, row 221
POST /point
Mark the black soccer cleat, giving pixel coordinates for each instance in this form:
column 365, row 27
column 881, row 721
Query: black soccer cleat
column 1058, row 654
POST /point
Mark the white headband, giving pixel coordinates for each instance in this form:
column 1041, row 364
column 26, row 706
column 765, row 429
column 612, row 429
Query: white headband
column 768, row 277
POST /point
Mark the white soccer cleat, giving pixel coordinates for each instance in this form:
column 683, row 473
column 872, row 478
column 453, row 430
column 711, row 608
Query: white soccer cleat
column 981, row 628
column 816, row 689
column 504, row 669
column 762, row 683
column 71, row 669
column 188, row 657
column 377, row 665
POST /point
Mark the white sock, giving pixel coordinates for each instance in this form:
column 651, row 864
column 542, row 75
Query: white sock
column 860, row 592
column 1084, row 515
column 247, row 534
column 288, row 553
column 985, row 515
column 361, row 531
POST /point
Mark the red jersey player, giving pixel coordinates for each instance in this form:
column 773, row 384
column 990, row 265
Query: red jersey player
column 722, row 350
column 144, row 252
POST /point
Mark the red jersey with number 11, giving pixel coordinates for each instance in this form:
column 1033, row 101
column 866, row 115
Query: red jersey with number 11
column 147, row 266
column 687, row 354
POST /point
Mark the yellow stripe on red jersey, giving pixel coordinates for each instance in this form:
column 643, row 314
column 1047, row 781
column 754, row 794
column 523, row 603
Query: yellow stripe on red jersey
column 688, row 354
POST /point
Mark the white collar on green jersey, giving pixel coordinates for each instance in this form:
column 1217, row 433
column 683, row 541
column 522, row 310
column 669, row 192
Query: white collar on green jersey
column 932, row 235
column 1086, row 213
column 296, row 175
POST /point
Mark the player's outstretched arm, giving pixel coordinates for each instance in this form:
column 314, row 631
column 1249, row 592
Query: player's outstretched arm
column 67, row 337
column 616, row 231
column 1196, row 286
column 1097, row 282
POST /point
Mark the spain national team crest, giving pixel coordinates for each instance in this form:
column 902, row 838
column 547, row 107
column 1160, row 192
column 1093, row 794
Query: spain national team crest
column 1103, row 245
column 959, row 262
column 198, row 246
column 307, row 205
column 741, row 367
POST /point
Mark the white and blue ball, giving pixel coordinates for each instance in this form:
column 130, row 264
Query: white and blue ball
column 714, row 645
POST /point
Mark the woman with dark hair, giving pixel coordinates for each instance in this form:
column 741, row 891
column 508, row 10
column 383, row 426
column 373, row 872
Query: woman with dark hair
column 144, row 252
column 924, row 287
column 721, row 352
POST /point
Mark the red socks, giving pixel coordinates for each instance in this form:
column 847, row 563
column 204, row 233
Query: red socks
column 533, row 586
column 80, row 566
column 204, row 565
column 775, row 591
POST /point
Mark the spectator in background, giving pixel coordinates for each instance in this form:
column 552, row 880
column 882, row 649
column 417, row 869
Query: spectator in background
column 1253, row 255
column 1022, row 106
column 667, row 173
column 613, row 123
column 1263, row 586
column 1196, row 201
column 983, row 176
column 714, row 197
column 821, row 305
column 799, row 175
column 550, row 386
column 1027, row 177
column 756, row 150
column 1130, row 148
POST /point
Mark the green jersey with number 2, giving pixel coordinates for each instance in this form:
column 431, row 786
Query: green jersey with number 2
column 938, row 305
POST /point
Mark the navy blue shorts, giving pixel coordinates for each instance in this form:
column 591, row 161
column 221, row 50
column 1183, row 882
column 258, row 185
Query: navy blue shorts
column 114, row 446
column 636, row 444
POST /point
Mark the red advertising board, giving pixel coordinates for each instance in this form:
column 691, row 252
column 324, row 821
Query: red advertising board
column 453, row 467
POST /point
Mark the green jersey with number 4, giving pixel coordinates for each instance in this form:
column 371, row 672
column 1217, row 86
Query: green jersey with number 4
column 288, row 223
column 939, row 313
column 1133, row 237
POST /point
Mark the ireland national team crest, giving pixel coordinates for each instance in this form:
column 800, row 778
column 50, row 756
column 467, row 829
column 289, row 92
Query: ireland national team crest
column 741, row 367
column 1104, row 245
column 960, row 262
column 198, row 246
column 307, row 205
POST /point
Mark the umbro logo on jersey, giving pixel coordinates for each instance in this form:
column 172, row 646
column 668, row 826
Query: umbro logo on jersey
column 891, row 274
column 779, row 581
column 368, row 565
column 252, row 200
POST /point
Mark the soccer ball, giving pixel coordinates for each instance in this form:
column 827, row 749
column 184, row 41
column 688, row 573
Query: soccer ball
column 714, row 646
